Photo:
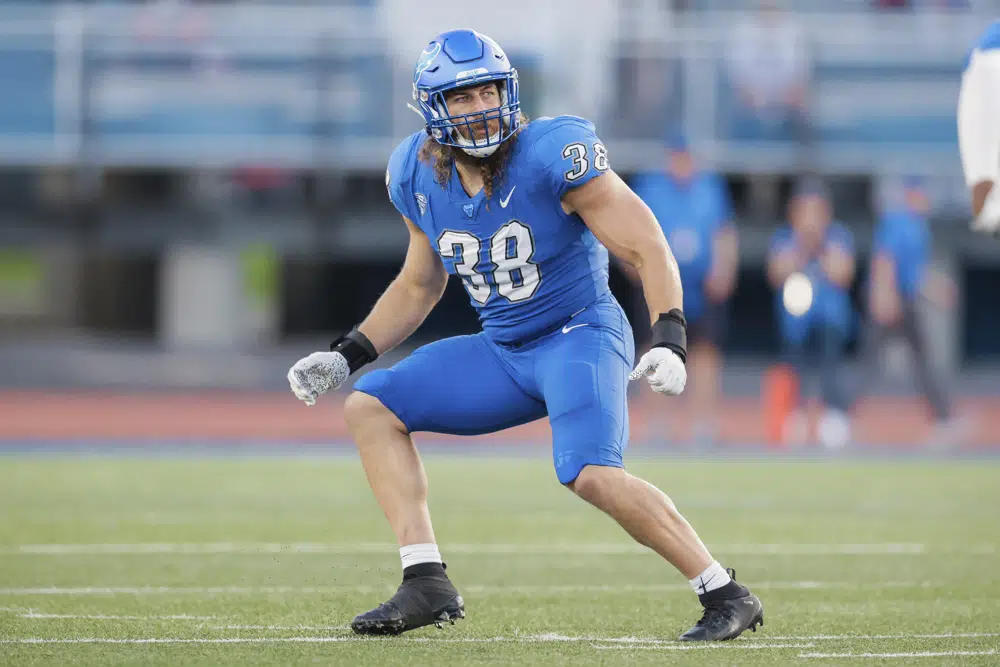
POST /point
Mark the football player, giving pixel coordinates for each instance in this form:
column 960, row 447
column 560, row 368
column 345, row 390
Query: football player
column 524, row 214
column 979, row 129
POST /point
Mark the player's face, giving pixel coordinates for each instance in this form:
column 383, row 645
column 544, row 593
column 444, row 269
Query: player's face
column 476, row 100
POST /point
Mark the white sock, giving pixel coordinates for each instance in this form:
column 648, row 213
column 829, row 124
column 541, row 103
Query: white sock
column 714, row 576
column 414, row 554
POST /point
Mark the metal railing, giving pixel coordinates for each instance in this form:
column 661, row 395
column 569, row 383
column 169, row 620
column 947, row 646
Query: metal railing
column 307, row 86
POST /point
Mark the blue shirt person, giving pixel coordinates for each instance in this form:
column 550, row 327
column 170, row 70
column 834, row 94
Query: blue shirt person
column 901, row 253
column 694, row 210
column 900, row 274
column 811, row 266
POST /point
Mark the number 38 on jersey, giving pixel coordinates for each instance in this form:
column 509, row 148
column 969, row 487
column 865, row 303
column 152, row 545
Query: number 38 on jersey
column 510, row 267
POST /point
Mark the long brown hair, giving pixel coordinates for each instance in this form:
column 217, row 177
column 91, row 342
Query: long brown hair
column 441, row 159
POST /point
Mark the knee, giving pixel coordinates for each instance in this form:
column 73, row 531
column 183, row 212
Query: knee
column 363, row 411
column 596, row 483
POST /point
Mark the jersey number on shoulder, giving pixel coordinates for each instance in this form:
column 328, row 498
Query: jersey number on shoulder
column 511, row 248
column 581, row 163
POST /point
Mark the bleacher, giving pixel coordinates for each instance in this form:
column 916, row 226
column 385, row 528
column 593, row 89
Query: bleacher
column 323, row 84
column 283, row 79
column 27, row 77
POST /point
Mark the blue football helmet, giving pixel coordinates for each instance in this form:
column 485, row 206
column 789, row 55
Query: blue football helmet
column 456, row 59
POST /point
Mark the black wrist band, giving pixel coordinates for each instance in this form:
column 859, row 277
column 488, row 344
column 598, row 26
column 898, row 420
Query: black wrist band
column 670, row 331
column 356, row 348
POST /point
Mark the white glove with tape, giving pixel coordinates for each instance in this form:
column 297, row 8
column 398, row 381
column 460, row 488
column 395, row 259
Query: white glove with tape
column 317, row 374
column 320, row 372
column 663, row 370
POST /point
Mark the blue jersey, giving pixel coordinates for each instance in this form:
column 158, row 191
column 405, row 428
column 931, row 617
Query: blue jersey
column 905, row 238
column 831, row 304
column 527, row 265
column 691, row 214
column 988, row 41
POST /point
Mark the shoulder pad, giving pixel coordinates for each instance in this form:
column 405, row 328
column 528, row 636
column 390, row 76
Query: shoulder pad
column 399, row 172
column 567, row 152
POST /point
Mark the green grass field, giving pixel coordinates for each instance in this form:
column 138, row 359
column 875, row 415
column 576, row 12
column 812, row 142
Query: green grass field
column 178, row 561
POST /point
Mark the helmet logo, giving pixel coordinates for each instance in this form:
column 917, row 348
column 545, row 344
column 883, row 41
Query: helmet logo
column 471, row 72
column 427, row 57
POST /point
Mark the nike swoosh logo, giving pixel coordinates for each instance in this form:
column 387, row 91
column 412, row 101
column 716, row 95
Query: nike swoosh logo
column 575, row 326
column 503, row 202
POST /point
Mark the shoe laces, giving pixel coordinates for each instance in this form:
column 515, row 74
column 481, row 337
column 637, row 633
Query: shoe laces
column 717, row 613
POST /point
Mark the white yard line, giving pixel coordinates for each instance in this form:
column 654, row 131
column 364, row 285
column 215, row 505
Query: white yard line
column 303, row 628
column 179, row 640
column 666, row 588
column 914, row 654
column 811, row 638
column 39, row 616
column 525, row 639
column 604, row 642
column 695, row 647
column 21, row 612
column 186, row 590
column 601, row 643
column 106, row 617
column 477, row 589
column 602, row 549
column 941, row 635
column 548, row 637
column 35, row 615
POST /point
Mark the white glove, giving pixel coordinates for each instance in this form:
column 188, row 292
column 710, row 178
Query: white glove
column 988, row 220
column 664, row 371
column 317, row 374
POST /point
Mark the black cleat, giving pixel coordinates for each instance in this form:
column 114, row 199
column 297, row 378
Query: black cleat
column 729, row 612
column 426, row 597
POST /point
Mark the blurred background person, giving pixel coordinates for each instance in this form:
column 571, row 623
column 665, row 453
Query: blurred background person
column 769, row 67
column 811, row 267
column 900, row 275
column 693, row 207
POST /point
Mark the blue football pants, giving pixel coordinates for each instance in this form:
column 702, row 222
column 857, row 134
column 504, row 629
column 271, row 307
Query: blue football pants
column 470, row 385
